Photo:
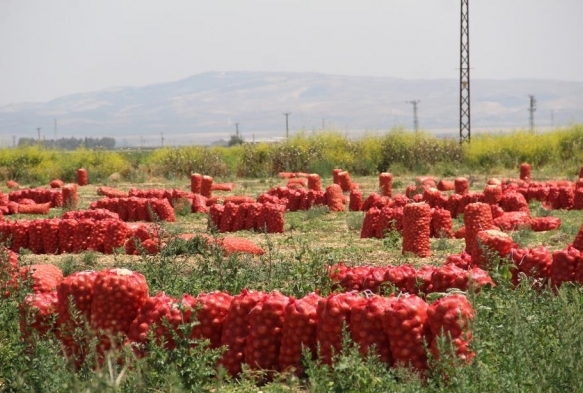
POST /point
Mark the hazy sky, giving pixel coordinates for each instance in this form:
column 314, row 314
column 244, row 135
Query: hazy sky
column 57, row 47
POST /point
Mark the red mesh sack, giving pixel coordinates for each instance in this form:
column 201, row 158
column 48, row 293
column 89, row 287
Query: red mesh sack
column 366, row 327
column 314, row 182
column 564, row 265
column 441, row 223
column 236, row 330
column 206, row 186
column 266, row 321
column 109, row 315
column 42, row 278
column 450, row 317
column 333, row 314
column 211, row 311
column 82, row 178
column 496, row 242
column 386, row 184
column 159, row 316
column 37, row 312
column 298, row 332
column 405, row 323
column 461, row 185
column 477, row 217
column 335, row 198
column 355, row 200
column 370, row 223
column 416, row 229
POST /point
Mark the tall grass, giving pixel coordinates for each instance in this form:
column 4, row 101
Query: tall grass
column 398, row 151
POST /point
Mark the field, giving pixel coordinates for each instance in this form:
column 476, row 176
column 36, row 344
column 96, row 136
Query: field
column 524, row 339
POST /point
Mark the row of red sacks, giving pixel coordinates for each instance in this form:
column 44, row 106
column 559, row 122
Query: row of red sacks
column 138, row 209
column 102, row 231
column 267, row 331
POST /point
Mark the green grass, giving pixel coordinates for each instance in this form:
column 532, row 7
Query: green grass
column 524, row 340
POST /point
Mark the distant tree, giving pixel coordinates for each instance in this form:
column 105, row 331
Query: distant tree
column 70, row 143
column 235, row 140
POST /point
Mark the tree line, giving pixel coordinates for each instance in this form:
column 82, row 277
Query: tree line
column 70, row 143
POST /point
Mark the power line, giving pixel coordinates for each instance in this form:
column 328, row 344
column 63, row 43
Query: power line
column 415, row 118
column 465, row 124
column 287, row 123
column 531, row 110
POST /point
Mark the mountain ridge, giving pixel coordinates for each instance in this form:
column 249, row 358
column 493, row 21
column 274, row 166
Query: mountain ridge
column 205, row 107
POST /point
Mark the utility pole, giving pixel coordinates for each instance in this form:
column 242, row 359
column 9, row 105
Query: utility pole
column 162, row 139
column 38, row 133
column 237, row 130
column 415, row 118
column 531, row 110
column 287, row 124
column 13, row 141
column 323, row 123
column 465, row 124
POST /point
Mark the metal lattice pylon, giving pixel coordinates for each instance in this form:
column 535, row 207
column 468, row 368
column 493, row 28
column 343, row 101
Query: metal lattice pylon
column 465, row 125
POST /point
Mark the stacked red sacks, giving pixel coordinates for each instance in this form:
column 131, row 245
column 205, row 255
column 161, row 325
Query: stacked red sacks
column 335, row 198
column 512, row 221
column 370, row 223
column 271, row 219
column 405, row 323
column 449, row 318
column 434, row 197
column 111, row 317
column 333, row 314
column 477, row 217
column 534, row 263
column 82, row 177
column 41, row 278
column 405, row 278
column 53, row 197
column 446, row 185
column 50, row 234
column 111, row 192
column 386, row 184
column 298, row 332
column 266, row 321
column 236, row 330
column 314, row 182
column 461, row 185
column 492, row 193
column 345, row 182
column 578, row 241
column 206, row 186
column 390, row 220
column 247, row 216
column 195, row 183
column 138, row 209
column 441, row 223
column 70, row 197
column 355, row 200
column 75, row 295
column 565, row 266
column 416, row 229
column 491, row 244
column 228, row 217
column 211, row 310
column 35, row 237
column 37, row 313
column 525, row 170
column 56, row 183
column 9, row 272
column 142, row 238
column 160, row 317
column 366, row 327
